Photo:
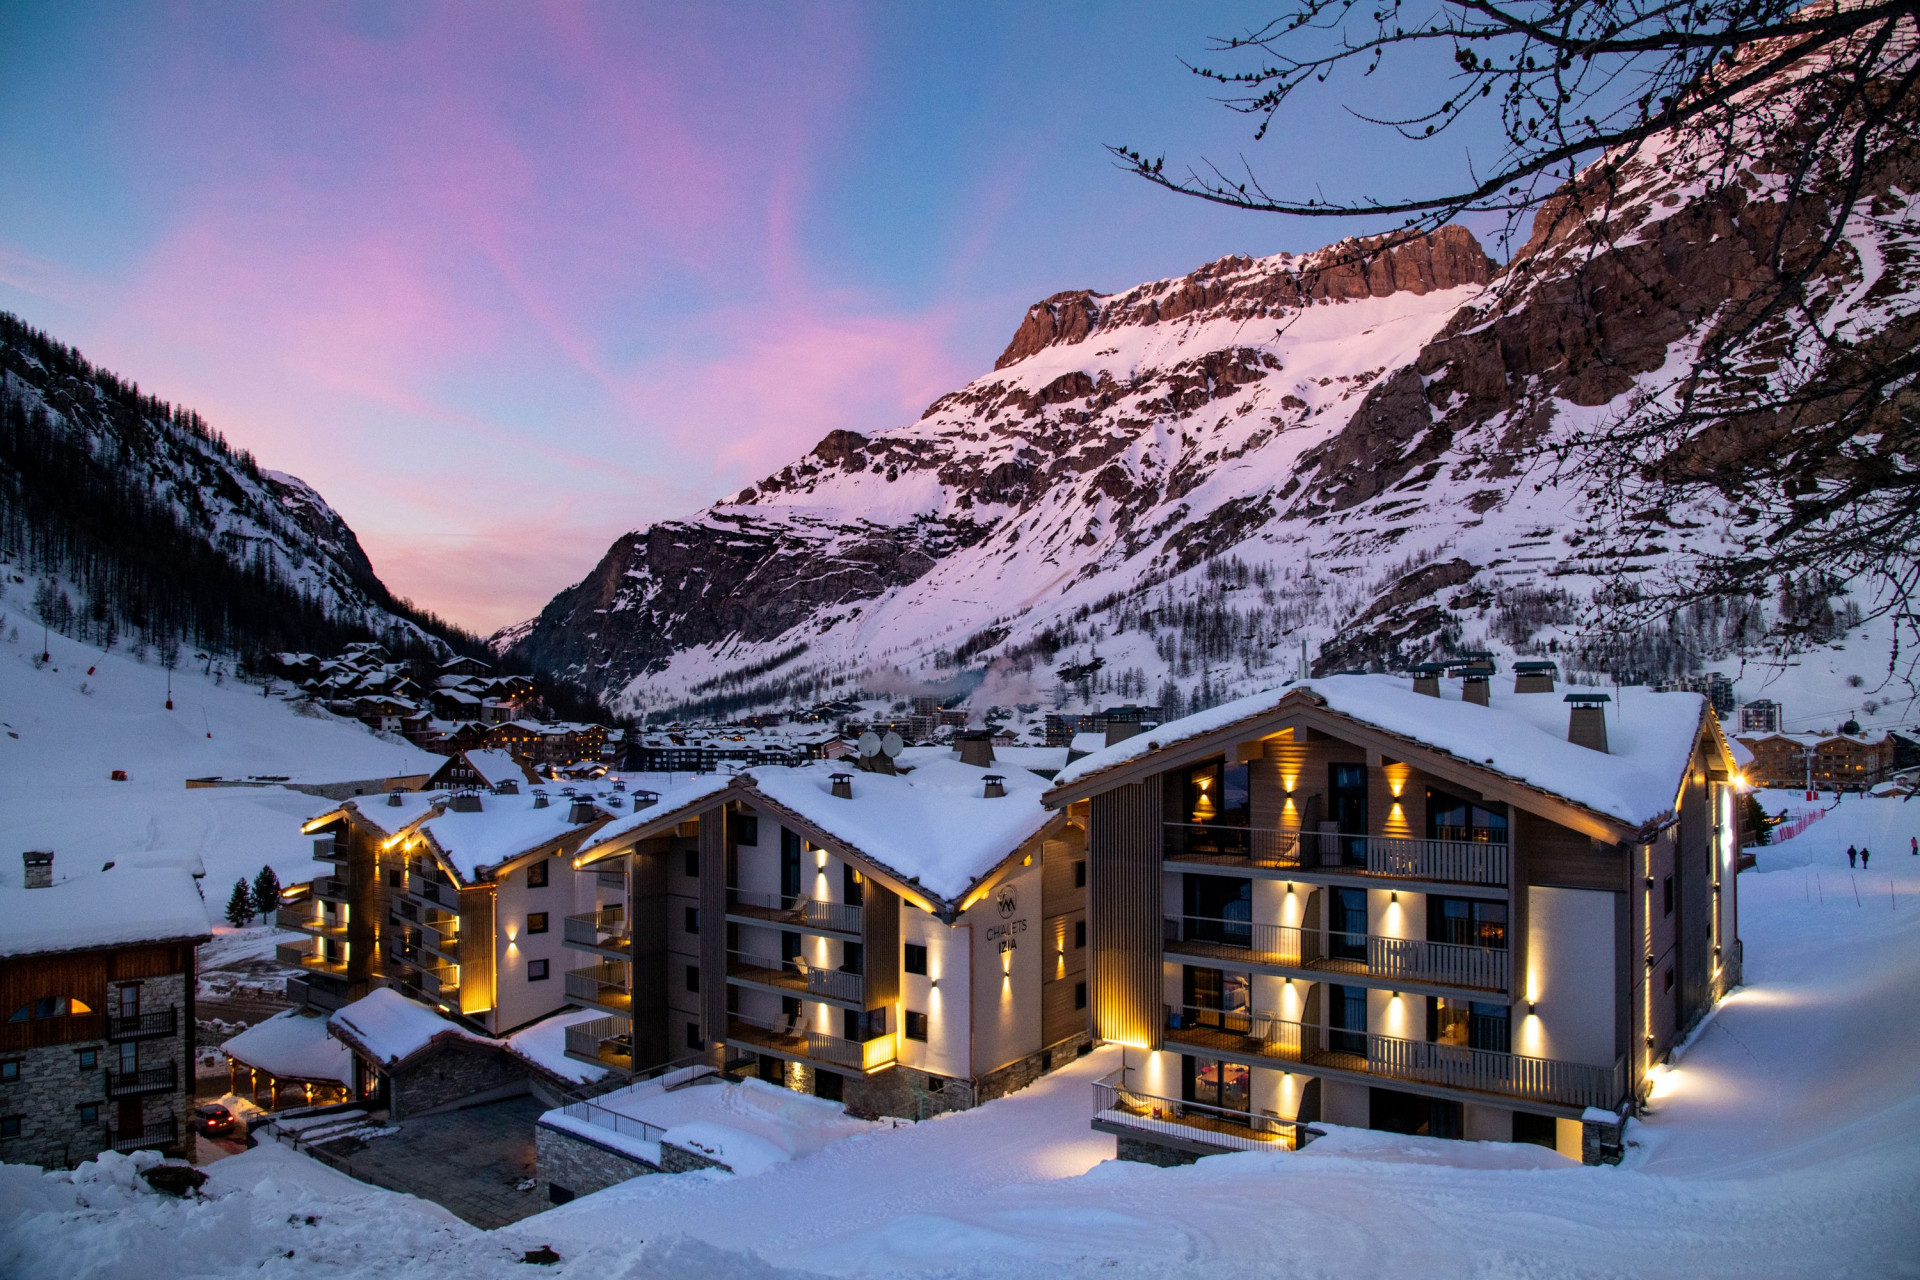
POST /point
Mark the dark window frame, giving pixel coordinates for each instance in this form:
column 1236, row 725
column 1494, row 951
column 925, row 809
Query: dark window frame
column 912, row 963
column 538, row 922
column 913, row 1025
column 539, row 873
column 539, row 970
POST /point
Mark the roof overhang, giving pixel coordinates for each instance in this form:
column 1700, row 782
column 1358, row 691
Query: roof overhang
column 660, row 822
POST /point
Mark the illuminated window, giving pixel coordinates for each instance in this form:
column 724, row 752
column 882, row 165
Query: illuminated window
column 50, row 1007
column 536, row 922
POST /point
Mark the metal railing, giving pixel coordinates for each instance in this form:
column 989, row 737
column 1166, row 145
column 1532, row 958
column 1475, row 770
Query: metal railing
column 305, row 958
column 135, row 1026
column 794, row 1037
column 603, row 930
column 800, row 912
column 309, row 919
column 604, row 1040
column 601, row 1117
column 127, row 1084
column 1255, row 1033
column 601, row 984
column 1482, row 862
column 333, row 888
column 161, row 1133
column 798, row 975
column 1222, row 1127
column 1289, row 947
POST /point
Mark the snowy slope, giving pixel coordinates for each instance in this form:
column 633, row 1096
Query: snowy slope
column 1785, row 1142
column 74, row 729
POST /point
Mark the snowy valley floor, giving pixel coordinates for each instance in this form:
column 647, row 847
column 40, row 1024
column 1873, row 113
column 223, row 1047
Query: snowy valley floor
column 1785, row 1142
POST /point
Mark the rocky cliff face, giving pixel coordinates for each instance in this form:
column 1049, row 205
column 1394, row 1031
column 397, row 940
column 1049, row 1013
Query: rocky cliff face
column 1195, row 481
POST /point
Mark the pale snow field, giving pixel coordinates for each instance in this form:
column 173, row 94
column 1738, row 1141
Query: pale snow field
column 1786, row 1142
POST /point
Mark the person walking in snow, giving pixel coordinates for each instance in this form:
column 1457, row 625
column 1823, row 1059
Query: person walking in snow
column 1852, row 853
column 1915, row 842
column 1863, row 857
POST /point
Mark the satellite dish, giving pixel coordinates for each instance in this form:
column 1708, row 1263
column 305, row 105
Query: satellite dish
column 870, row 743
column 892, row 745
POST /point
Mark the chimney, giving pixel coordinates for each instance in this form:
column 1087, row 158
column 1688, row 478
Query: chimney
column 1121, row 730
column 977, row 749
column 581, row 811
column 1534, row 677
column 996, row 786
column 39, row 870
column 1587, row 720
column 393, row 800
column 1474, row 676
column 644, row 799
column 465, row 802
column 843, row 785
column 1426, row 678
column 539, row 800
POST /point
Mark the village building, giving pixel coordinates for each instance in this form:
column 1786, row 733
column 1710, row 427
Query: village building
column 97, row 983
column 904, row 942
column 1821, row 761
column 1434, row 909
column 289, row 1060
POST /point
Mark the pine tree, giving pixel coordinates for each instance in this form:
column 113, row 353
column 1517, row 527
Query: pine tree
column 266, row 891
column 240, row 905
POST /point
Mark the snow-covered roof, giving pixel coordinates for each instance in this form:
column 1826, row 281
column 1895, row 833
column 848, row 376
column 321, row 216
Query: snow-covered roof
column 683, row 799
column 293, row 1045
column 495, row 766
column 380, row 813
column 503, row 828
column 1088, row 742
column 390, row 1028
column 1522, row 736
column 934, row 826
column 119, row 907
column 544, row 1044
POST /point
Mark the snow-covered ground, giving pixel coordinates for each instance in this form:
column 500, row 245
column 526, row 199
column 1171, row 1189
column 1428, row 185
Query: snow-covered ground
column 64, row 731
column 1785, row 1142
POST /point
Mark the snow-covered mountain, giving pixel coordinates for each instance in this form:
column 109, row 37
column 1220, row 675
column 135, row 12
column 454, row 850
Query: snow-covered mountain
column 1338, row 460
column 160, row 528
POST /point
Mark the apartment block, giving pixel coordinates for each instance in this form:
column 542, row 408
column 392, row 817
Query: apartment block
column 1425, row 907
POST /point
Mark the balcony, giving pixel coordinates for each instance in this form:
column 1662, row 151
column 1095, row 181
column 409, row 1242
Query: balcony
column 606, row 1042
column 324, row 993
column 161, row 1133
column 1473, row 861
column 798, row 977
column 332, row 889
column 1259, row 1038
column 602, row 985
column 131, row 1084
column 432, row 893
column 810, row 915
column 307, row 919
column 788, row 1038
column 306, row 958
column 604, row 931
column 1127, row 1112
column 1403, row 960
column 142, row 1026
column 328, row 849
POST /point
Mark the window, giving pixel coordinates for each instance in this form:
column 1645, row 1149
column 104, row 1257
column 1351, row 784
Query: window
column 693, row 920
column 692, row 864
column 1347, row 923
column 1079, row 935
column 1451, row 818
column 89, row 1112
column 1467, row 922
column 49, row 1007
column 1214, row 811
column 1668, row 893
column 536, row 971
column 693, row 1036
column 1219, row 909
column 89, row 1059
column 1666, row 981
column 746, row 828
column 130, row 1000
column 10, row 1071
column 1079, row 995
column 129, row 1058
column 536, row 922
column 396, row 879
column 537, row 873
column 915, row 1026
column 693, row 977
column 1347, row 1017
column 1080, row 873
column 853, row 886
column 9, row 1126
column 914, row 958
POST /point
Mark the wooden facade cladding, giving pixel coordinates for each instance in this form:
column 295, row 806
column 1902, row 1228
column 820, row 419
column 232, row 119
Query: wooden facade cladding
column 476, row 949
column 1063, row 907
column 1123, row 904
column 649, row 972
column 85, row 976
column 1557, row 858
column 713, row 921
column 880, row 944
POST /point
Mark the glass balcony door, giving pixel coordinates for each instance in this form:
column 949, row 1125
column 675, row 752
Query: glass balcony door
column 1210, row 1083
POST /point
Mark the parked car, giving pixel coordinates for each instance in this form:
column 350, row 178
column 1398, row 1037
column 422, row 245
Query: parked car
column 215, row 1121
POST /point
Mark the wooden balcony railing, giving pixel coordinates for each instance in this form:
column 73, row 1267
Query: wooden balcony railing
column 332, row 888
column 603, row 985
column 1360, row 955
column 602, row 930
column 142, row 1026
column 1260, row 1035
column 794, row 912
column 308, row 958
column 794, row 1038
column 606, row 1041
column 798, row 976
column 1116, row 1106
column 1480, row 862
column 129, row 1084
column 309, row 919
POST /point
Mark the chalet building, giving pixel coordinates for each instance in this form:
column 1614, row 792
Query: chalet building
column 1824, row 761
column 482, row 770
column 1454, row 911
column 906, row 943
column 455, row 901
column 97, row 984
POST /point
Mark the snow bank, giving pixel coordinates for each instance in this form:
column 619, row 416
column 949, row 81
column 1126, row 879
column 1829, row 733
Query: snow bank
column 544, row 1044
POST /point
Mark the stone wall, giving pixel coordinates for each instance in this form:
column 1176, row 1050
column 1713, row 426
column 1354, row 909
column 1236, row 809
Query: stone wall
column 1140, row 1151
column 680, row 1160
column 913, row 1094
column 454, row 1071
column 570, row 1165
